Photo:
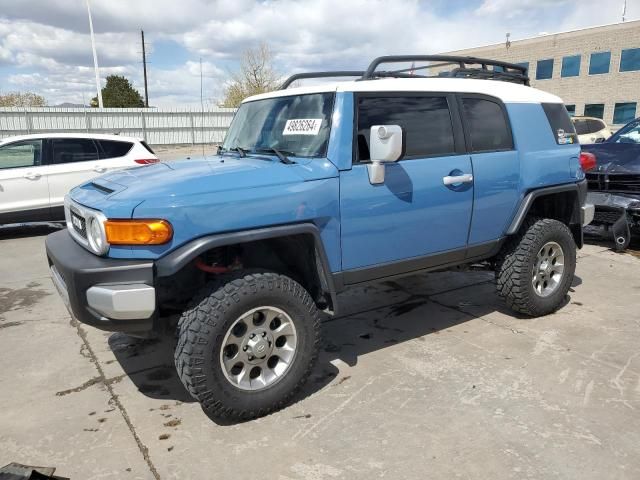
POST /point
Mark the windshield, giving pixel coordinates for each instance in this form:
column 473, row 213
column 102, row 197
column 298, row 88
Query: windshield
column 298, row 125
column 627, row 134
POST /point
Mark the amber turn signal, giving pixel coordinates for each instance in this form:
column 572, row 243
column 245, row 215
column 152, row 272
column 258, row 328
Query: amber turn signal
column 138, row 232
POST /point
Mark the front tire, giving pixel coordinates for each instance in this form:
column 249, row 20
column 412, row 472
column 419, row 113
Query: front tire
column 247, row 344
column 535, row 268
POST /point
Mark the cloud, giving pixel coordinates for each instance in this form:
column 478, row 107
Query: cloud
column 45, row 43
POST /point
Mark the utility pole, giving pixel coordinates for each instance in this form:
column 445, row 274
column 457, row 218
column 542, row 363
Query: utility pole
column 95, row 58
column 144, row 66
column 624, row 10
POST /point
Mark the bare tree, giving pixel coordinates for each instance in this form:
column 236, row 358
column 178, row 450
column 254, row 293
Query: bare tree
column 256, row 75
column 22, row 99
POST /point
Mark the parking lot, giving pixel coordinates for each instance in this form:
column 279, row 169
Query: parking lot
column 427, row 376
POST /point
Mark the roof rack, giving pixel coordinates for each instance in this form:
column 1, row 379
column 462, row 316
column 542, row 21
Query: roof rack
column 337, row 73
column 465, row 67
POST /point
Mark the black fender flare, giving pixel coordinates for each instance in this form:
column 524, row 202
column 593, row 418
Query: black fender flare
column 528, row 200
column 183, row 255
column 580, row 188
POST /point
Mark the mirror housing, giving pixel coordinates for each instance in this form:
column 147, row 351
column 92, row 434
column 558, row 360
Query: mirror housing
column 385, row 145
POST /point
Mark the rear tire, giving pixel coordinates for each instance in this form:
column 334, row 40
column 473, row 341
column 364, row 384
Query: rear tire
column 247, row 343
column 535, row 267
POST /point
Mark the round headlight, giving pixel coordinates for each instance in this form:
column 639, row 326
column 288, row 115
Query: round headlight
column 95, row 236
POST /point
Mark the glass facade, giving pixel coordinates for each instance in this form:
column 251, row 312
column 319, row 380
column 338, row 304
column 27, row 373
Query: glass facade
column 594, row 110
column 544, row 69
column 599, row 63
column 630, row 60
column 571, row 109
column 623, row 113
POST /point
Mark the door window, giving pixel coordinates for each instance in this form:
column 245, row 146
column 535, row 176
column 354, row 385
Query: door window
column 487, row 125
column 425, row 121
column 21, row 154
column 69, row 150
column 114, row 148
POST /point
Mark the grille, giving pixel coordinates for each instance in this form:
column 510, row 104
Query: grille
column 79, row 224
column 614, row 182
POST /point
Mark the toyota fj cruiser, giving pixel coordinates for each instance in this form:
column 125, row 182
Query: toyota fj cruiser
column 317, row 189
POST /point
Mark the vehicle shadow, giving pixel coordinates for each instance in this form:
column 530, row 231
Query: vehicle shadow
column 8, row 232
column 374, row 317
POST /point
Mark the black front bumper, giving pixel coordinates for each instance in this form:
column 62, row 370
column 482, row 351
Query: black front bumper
column 618, row 212
column 74, row 270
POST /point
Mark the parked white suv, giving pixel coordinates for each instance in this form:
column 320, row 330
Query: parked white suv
column 37, row 171
column 591, row 130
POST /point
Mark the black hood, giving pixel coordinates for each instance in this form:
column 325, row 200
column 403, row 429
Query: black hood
column 615, row 158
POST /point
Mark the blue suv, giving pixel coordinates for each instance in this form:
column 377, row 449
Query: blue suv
column 317, row 189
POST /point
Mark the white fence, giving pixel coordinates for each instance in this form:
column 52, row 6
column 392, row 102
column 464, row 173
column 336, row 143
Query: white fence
column 156, row 126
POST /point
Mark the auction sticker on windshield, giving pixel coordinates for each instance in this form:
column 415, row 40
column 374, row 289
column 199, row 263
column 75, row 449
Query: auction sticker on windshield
column 302, row 126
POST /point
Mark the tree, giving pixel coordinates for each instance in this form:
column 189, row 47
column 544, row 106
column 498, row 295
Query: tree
column 256, row 75
column 119, row 93
column 22, row 99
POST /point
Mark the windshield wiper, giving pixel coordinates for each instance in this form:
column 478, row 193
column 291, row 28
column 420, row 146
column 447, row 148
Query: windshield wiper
column 281, row 156
column 240, row 150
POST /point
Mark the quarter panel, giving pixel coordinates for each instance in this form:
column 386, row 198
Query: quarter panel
column 496, row 178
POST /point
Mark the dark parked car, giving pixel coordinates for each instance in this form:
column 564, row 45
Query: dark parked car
column 614, row 185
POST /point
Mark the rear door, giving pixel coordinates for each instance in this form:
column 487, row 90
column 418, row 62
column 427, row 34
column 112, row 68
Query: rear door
column 415, row 218
column 496, row 168
column 71, row 162
column 24, row 193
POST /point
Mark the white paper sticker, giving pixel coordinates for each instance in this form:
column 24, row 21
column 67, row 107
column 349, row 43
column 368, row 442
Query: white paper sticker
column 302, row 126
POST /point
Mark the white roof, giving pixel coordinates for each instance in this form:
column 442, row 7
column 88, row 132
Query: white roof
column 95, row 136
column 506, row 91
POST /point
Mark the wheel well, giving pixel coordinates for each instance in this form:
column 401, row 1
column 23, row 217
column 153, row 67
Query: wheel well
column 293, row 255
column 561, row 206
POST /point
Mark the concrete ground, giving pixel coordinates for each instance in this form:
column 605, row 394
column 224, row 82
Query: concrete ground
column 424, row 377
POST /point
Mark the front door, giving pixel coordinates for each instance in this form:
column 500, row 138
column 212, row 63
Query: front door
column 24, row 193
column 417, row 217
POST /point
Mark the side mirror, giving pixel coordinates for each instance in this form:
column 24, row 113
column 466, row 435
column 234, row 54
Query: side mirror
column 599, row 140
column 385, row 145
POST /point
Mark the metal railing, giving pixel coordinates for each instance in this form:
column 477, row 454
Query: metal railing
column 155, row 126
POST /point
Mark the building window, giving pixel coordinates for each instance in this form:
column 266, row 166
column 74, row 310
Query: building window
column 623, row 113
column 525, row 65
column 594, row 110
column 570, row 66
column 599, row 63
column 571, row 109
column 544, row 69
column 630, row 60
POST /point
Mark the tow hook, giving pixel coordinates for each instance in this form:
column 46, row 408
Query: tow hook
column 621, row 232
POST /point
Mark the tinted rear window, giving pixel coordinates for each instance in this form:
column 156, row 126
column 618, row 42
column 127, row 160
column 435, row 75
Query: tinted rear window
column 425, row 121
column 69, row 150
column 560, row 122
column 487, row 125
column 114, row 148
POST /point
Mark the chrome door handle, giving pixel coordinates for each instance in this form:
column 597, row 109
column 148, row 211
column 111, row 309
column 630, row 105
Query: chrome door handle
column 100, row 169
column 449, row 180
column 32, row 176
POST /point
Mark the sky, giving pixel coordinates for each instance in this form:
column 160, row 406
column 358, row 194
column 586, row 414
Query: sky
column 45, row 44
